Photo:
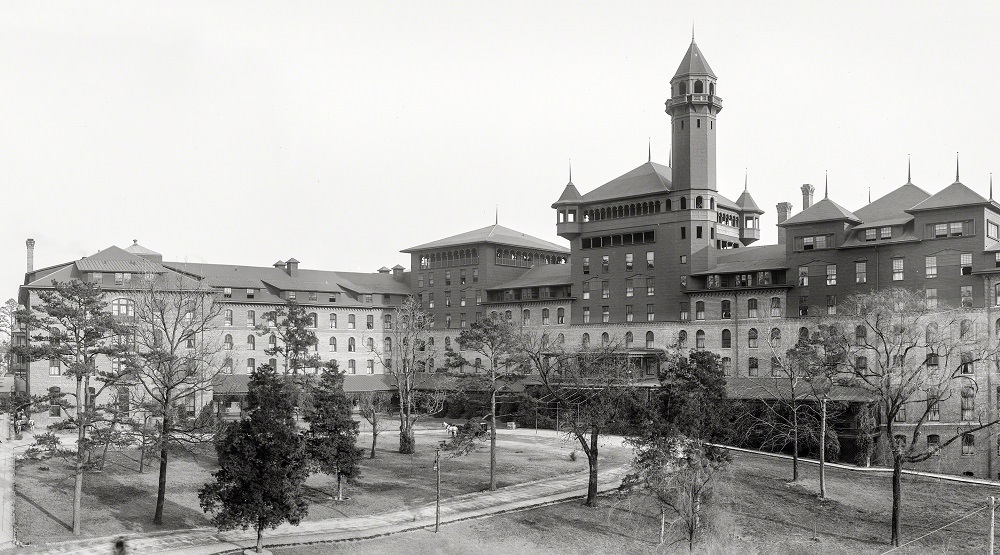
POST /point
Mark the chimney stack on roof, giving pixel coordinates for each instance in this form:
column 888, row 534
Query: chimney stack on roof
column 383, row 270
column 292, row 267
column 807, row 195
column 397, row 272
column 784, row 211
column 30, row 243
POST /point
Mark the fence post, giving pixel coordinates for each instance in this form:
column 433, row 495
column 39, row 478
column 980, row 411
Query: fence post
column 989, row 539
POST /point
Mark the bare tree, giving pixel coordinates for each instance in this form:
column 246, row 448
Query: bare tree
column 175, row 364
column 8, row 317
column 594, row 388
column 408, row 356
column 911, row 359
column 374, row 408
column 73, row 328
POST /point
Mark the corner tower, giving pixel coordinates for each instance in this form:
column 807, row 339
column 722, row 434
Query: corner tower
column 693, row 107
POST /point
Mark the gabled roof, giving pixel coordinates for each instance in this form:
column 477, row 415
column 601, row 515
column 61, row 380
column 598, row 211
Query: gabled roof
column 648, row 178
column 694, row 63
column 570, row 195
column 749, row 259
column 823, row 211
column 953, row 195
column 493, row 234
column 747, row 204
column 892, row 205
column 114, row 259
column 541, row 275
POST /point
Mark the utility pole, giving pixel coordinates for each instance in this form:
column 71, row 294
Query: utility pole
column 989, row 539
column 822, row 449
column 437, row 502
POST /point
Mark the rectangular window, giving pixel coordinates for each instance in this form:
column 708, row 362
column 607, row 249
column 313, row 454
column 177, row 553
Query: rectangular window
column 605, row 314
column 461, row 277
column 650, row 287
column 966, row 263
column 628, row 313
column 605, row 264
column 370, row 321
column 930, row 265
column 992, row 230
column 479, row 296
column 447, row 299
column 475, row 275
column 683, row 232
column 803, row 275
column 697, row 232
column 649, row 313
column 96, row 277
column 831, row 274
column 350, row 321
column 684, row 259
column 996, row 259
column 628, row 262
column 586, row 290
column 897, row 269
column 586, row 315
column 831, row 305
column 955, row 229
column 605, row 289
column 629, row 288
column 586, row 265
column 808, row 243
column 649, row 260
column 684, row 313
column 885, row 232
column 291, row 295
column 933, row 410
column 860, row 272
column 420, row 280
column 55, row 367
column 966, row 296
column 940, row 230
column 930, row 296
column 371, row 366
column 227, row 292
column 333, row 297
column 870, row 234
column 430, row 279
column 804, row 306
column 968, row 444
column 968, row 404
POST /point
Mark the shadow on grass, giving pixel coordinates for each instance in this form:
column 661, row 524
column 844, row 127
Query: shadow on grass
column 45, row 512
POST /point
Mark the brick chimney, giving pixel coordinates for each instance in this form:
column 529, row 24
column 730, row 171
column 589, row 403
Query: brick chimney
column 383, row 270
column 279, row 265
column 784, row 210
column 807, row 195
column 30, row 243
column 292, row 267
column 397, row 272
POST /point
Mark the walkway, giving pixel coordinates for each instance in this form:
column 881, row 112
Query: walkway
column 7, row 452
column 203, row 541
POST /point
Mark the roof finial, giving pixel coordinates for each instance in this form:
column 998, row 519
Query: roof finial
column 649, row 146
column 692, row 31
column 570, row 170
column 496, row 214
column 136, row 241
column 826, row 183
column 745, row 174
column 956, row 168
column 670, row 159
column 909, row 180
column 991, row 185
column 869, row 194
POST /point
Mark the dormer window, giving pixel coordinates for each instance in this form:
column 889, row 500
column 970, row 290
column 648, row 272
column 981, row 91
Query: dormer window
column 227, row 292
column 871, row 234
column 251, row 293
column 885, row 232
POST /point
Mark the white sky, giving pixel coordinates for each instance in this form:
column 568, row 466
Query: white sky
column 340, row 133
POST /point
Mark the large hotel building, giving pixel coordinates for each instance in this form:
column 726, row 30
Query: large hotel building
column 656, row 258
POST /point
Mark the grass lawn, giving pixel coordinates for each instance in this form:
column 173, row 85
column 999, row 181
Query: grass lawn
column 755, row 511
column 120, row 500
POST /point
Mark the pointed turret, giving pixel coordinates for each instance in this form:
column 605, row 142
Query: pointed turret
column 694, row 63
column 567, row 210
column 693, row 107
column 749, row 215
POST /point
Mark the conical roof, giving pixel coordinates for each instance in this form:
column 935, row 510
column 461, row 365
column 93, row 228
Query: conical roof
column 747, row 204
column 955, row 194
column 570, row 195
column 139, row 250
column 694, row 63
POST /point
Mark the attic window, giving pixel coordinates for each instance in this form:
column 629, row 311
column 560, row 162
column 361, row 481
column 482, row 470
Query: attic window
column 333, row 297
column 313, row 295
column 870, row 234
column 368, row 298
column 227, row 292
column 885, row 232
column 251, row 292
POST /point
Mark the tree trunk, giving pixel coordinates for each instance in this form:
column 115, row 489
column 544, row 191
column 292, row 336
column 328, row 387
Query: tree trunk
column 592, row 461
column 897, row 496
column 493, row 437
column 260, row 538
column 795, row 443
column 104, row 453
column 407, row 442
column 822, row 452
column 161, row 482
column 81, row 408
column 340, row 488
column 374, row 439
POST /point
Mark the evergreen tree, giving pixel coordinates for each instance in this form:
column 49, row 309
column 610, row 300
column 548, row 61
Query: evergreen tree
column 262, row 463
column 333, row 434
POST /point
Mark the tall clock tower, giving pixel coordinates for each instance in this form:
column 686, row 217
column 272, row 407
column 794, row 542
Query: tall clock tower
column 693, row 107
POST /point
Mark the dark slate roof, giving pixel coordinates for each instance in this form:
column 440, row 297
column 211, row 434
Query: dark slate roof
column 231, row 384
column 747, row 204
column 570, row 195
column 540, row 275
column 648, row 178
column 750, row 259
column 895, row 220
column 114, row 259
column 493, row 234
column 694, row 63
column 823, row 211
column 230, row 275
column 358, row 383
column 953, row 195
column 724, row 202
column 892, row 205
column 374, row 283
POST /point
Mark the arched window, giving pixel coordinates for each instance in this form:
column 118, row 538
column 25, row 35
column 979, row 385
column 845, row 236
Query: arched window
column 585, row 340
column 508, row 315
column 775, row 367
column 649, row 340
column 775, row 338
column 560, row 339
column 668, row 205
column 123, row 307
column 966, row 330
column 803, row 334
column 387, row 345
column 251, row 364
column 605, row 339
column 628, row 339
column 228, row 342
column 333, row 321
column 699, row 339
column 561, row 316
column 699, row 87
column 525, row 317
column 351, row 346
column 545, row 316
column 684, row 203
column 751, row 308
column 682, row 88
column 699, row 202
column 726, row 311
column 699, row 310
column 711, row 88
column 727, row 339
column 931, row 336
column 447, row 343
column 273, row 363
column 682, row 338
column 272, row 341
column 251, row 342
column 727, row 366
column 752, row 369
column 752, row 338
column 333, row 344
column 227, row 366
column 370, row 344
column 251, row 318
column 312, row 320
column 860, row 335
column 711, row 203
column 775, row 307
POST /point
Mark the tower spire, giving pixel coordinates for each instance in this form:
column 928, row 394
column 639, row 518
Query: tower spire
column 956, row 168
column 869, row 194
column 909, row 179
column 649, row 146
column 745, row 175
column 826, row 183
column 570, row 170
column 991, row 185
column 692, row 31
